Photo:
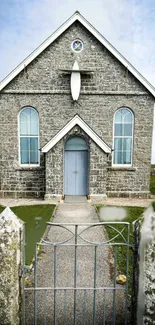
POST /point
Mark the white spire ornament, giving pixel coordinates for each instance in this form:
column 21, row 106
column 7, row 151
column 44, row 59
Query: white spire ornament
column 75, row 81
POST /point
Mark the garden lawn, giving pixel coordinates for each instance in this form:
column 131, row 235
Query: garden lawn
column 35, row 218
column 1, row 208
column 152, row 184
column 133, row 213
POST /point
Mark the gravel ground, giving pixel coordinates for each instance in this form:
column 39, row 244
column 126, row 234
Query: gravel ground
column 80, row 214
column 109, row 201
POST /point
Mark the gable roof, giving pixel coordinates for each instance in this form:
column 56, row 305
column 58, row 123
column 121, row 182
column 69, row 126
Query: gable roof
column 77, row 17
column 76, row 120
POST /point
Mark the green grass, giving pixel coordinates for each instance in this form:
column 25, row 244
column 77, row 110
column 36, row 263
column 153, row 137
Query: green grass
column 133, row 213
column 1, row 208
column 152, row 184
column 34, row 229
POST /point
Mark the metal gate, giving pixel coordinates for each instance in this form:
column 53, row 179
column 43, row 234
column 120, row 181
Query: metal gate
column 75, row 276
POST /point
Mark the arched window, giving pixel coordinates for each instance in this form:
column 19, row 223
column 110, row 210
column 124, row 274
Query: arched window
column 29, row 136
column 123, row 137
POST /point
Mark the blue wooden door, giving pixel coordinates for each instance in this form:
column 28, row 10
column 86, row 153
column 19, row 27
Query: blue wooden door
column 76, row 171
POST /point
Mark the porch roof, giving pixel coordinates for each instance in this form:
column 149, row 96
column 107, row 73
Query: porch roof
column 76, row 120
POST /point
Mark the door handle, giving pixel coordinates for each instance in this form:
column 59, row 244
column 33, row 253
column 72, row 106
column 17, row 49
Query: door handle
column 75, row 172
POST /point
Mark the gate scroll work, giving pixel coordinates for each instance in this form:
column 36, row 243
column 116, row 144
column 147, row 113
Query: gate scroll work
column 75, row 276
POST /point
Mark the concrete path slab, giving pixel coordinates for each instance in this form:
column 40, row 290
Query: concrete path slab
column 81, row 214
column 75, row 199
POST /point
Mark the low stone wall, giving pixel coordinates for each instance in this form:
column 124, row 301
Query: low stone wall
column 11, row 239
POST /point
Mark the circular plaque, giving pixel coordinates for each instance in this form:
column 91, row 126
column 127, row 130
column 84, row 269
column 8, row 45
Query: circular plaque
column 77, row 45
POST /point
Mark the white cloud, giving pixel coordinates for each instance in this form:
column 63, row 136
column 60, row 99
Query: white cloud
column 124, row 23
column 28, row 23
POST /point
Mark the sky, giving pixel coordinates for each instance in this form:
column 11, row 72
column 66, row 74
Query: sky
column 128, row 24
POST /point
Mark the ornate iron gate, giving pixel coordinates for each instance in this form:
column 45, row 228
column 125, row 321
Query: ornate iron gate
column 76, row 278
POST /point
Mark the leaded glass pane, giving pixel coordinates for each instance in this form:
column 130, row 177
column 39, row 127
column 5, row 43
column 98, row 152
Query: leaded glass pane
column 122, row 157
column 24, row 143
column 24, row 157
column 123, row 115
column 24, row 128
column 118, row 130
column 23, row 116
column 34, row 115
column 127, row 144
column 34, row 157
column 127, row 129
column 117, row 157
column 27, row 111
column 126, row 157
column 128, row 117
column 24, row 150
column 123, row 111
column 33, row 143
column 24, row 125
column 118, row 144
column 118, row 117
column 34, row 128
column 34, row 123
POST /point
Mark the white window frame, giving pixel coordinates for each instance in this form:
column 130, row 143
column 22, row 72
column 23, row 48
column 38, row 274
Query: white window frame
column 123, row 165
column 19, row 136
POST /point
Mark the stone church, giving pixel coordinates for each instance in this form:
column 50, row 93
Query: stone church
column 76, row 119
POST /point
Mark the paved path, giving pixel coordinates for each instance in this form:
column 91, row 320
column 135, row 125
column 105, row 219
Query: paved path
column 65, row 262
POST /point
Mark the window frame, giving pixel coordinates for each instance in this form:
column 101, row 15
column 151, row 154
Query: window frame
column 123, row 165
column 19, row 137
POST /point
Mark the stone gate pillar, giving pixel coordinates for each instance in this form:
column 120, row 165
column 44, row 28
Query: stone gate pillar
column 149, row 284
column 11, row 237
column 145, row 268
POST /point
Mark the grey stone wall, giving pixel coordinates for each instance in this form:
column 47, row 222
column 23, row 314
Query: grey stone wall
column 42, row 85
column 11, row 236
column 22, row 182
column 97, row 171
column 54, row 171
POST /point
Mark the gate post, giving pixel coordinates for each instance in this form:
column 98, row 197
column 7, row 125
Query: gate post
column 144, row 269
column 136, row 226
column 11, row 238
column 149, row 284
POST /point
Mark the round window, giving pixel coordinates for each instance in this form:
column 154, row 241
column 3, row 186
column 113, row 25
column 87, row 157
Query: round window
column 77, row 45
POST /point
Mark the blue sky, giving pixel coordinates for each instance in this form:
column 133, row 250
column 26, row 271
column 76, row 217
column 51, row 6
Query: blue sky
column 128, row 24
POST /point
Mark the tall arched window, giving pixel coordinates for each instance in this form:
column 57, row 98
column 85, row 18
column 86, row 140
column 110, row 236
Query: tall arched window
column 123, row 137
column 29, row 136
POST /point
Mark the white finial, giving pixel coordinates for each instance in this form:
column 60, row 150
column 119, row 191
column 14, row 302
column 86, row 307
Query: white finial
column 75, row 81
